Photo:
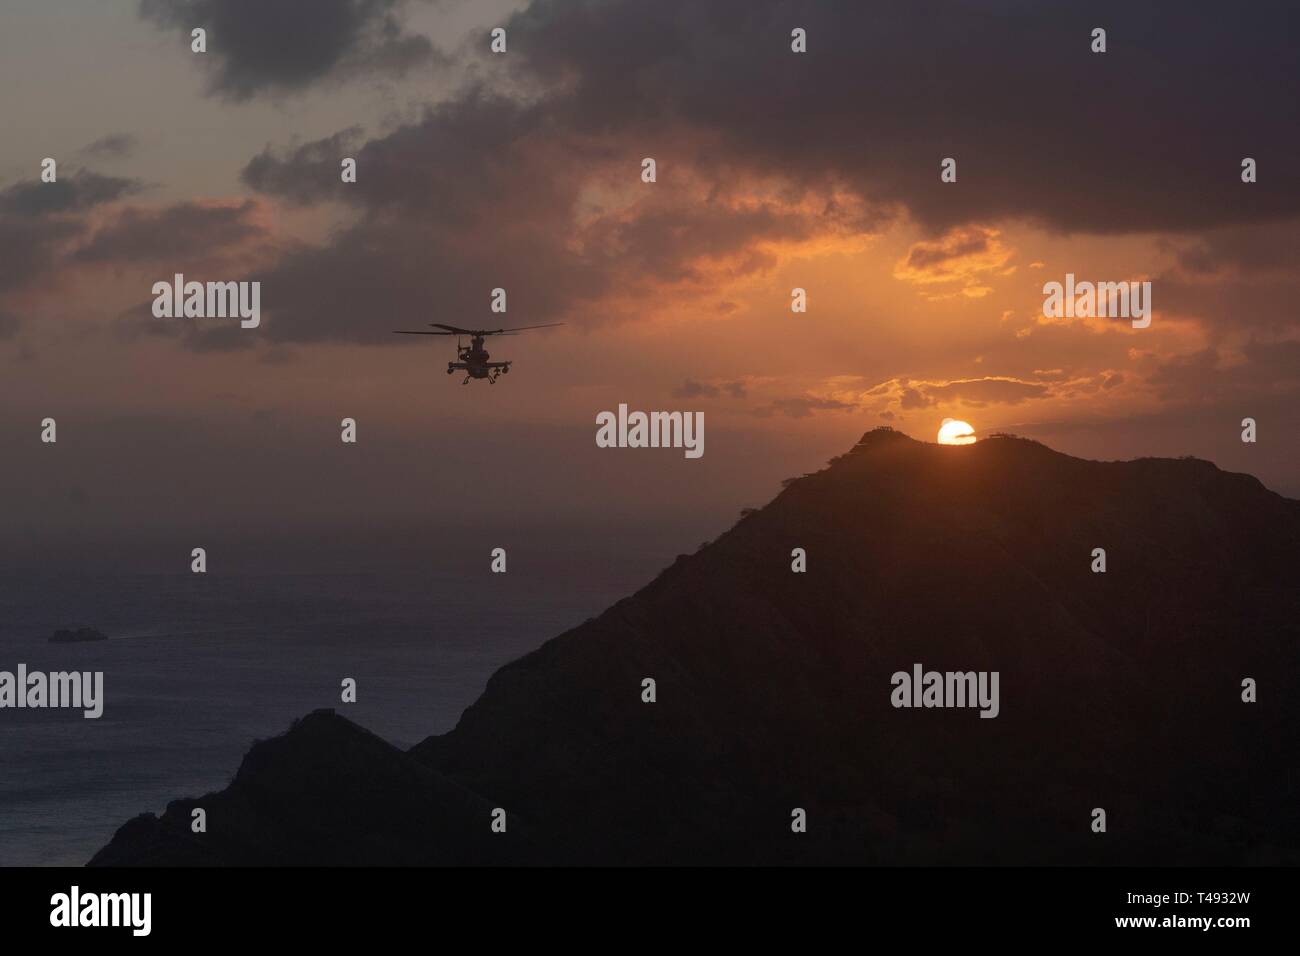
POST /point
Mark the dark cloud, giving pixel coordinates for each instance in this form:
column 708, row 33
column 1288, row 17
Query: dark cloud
column 1238, row 282
column 1261, row 302
column 9, row 325
column 175, row 234
column 112, row 146
column 928, row 256
column 390, row 273
column 1215, row 375
column 284, row 46
column 1240, row 250
column 490, row 190
column 912, row 398
column 39, row 220
column 693, row 389
column 1147, row 136
column 472, row 158
column 802, row 406
column 484, row 192
column 390, row 270
column 29, row 248
column 300, row 175
column 968, row 255
column 72, row 193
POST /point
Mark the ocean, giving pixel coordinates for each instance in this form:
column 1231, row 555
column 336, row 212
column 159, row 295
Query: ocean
column 198, row 666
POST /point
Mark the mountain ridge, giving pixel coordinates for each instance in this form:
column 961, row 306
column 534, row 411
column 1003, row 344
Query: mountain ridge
column 773, row 689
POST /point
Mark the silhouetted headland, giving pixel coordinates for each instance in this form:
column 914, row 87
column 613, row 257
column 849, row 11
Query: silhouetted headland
column 1119, row 690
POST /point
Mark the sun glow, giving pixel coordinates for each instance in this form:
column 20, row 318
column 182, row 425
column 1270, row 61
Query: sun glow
column 954, row 432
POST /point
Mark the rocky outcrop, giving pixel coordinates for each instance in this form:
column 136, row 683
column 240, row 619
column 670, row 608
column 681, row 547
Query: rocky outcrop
column 327, row 791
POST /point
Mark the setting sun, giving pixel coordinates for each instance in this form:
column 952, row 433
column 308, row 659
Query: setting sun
column 954, row 432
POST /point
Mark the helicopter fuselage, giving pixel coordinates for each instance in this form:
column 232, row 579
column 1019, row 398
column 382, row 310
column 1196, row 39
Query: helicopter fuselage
column 474, row 361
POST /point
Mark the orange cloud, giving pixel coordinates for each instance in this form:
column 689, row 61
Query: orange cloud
column 964, row 258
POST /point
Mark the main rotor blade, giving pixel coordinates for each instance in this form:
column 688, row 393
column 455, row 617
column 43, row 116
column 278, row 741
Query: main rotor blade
column 524, row 328
column 404, row 332
column 459, row 331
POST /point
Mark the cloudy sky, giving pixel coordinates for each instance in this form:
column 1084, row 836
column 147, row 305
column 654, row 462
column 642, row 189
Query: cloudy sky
column 475, row 170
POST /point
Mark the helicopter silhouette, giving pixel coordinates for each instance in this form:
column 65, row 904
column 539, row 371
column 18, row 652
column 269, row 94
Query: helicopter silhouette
column 473, row 359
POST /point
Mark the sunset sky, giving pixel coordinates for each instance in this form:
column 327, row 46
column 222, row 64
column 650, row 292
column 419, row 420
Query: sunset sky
column 775, row 170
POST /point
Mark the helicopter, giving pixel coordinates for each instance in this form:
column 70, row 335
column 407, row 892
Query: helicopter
column 473, row 359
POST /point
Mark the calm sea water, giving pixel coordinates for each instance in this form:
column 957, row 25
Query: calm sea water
column 199, row 666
